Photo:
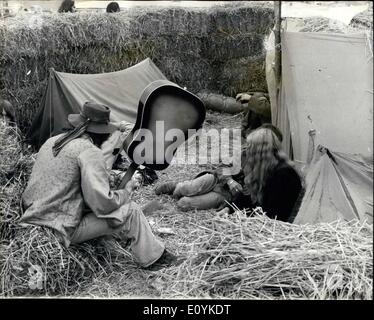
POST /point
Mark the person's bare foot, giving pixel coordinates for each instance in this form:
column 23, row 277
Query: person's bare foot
column 167, row 187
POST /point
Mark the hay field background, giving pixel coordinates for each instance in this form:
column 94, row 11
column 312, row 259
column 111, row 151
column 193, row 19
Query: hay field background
column 225, row 256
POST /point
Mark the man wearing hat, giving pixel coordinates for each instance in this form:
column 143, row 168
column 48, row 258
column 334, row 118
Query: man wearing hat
column 69, row 191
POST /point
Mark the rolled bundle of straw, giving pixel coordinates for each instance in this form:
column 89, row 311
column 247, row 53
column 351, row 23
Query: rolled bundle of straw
column 219, row 102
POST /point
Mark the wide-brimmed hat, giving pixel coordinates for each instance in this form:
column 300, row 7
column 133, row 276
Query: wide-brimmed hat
column 99, row 116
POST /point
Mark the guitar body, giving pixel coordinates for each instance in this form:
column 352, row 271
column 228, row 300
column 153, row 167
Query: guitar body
column 164, row 109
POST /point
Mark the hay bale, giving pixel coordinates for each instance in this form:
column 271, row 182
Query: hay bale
column 201, row 72
column 229, row 19
column 156, row 22
column 242, row 75
column 364, row 20
column 15, row 168
column 34, row 263
column 221, row 48
column 326, row 25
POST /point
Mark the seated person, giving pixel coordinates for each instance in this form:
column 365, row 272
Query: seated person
column 69, row 191
column 268, row 179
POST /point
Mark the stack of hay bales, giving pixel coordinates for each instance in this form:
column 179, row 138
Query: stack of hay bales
column 219, row 48
column 364, row 20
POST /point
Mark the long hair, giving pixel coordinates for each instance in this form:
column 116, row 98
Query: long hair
column 67, row 6
column 263, row 154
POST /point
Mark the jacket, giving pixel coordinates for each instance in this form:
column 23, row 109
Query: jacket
column 62, row 188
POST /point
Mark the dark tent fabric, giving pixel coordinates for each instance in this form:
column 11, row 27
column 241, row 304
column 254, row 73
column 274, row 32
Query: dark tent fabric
column 66, row 93
column 338, row 187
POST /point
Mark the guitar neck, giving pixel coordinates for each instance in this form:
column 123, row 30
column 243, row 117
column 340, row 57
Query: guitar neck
column 128, row 175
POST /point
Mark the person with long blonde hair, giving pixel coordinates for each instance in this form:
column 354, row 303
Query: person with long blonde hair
column 267, row 179
column 270, row 178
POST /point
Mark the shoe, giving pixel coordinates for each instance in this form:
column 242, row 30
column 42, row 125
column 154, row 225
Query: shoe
column 166, row 187
column 166, row 260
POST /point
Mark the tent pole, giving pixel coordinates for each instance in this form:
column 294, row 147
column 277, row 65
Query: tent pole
column 278, row 51
column 278, row 62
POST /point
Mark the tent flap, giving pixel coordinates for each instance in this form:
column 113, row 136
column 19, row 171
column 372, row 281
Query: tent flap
column 338, row 186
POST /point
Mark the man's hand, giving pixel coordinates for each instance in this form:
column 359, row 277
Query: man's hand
column 257, row 102
column 243, row 97
column 235, row 187
column 130, row 186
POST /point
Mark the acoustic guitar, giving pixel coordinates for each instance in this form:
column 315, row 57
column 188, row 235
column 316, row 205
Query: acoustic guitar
column 163, row 106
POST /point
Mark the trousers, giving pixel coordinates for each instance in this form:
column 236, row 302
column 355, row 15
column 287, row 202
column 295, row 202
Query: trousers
column 198, row 193
column 144, row 246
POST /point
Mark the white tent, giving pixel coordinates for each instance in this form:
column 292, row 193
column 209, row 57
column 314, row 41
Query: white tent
column 327, row 86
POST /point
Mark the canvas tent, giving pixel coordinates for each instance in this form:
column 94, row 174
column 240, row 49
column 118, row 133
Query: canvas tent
column 327, row 86
column 67, row 92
